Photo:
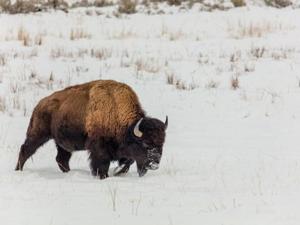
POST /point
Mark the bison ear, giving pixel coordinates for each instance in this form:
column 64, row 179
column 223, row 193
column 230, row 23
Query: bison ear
column 166, row 123
column 136, row 130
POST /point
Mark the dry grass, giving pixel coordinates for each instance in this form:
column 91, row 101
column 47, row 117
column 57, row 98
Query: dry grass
column 180, row 84
column 122, row 34
column 5, row 5
column 102, row 3
column 102, row 53
column 238, row 3
column 19, row 6
column 171, row 168
column 127, row 6
column 2, row 104
column 135, row 204
column 3, row 60
column 61, row 52
column 203, row 59
column 249, row 67
column 258, row 52
column 58, row 52
column 235, row 83
column 38, row 40
column 113, row 191
column 282, row 53
column 16, row 102
column 172, row 35
column 23, row 36
column 50, row 81
column 278, row 3
column 175, row 35
column 79, row 33
column 148, row 65
column 235, row 56
column 174, row 2
column 33, row 53
column 212, row 84
column 255, row 29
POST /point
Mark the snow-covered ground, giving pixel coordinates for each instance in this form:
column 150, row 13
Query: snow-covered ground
column 231, row 154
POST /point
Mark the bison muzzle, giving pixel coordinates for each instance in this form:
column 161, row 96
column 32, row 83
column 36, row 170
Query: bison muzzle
column 103, row 117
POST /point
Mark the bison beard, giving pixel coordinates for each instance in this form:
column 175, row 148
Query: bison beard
column 103, row 117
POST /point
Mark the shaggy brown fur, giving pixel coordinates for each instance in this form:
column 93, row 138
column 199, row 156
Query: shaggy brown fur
column 98, row 116
column 111, row 109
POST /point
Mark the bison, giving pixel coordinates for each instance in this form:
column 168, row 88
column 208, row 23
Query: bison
column 104, row 117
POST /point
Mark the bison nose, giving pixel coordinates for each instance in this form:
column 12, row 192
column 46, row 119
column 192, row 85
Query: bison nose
column 153, row 166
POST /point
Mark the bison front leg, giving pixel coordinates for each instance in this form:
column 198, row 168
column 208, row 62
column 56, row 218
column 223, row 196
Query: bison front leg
column 124, row 165
column 63, row 158
column 99, row 165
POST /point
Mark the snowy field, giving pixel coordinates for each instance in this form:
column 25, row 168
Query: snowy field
column 229, row 82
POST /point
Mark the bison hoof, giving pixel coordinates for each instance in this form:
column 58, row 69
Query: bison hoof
column 19, row 167
column 122, row 169
column 103, row 176
column 64, row 168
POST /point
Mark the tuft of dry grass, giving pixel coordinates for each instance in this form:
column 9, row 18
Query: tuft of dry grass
column 101, row 54
column 127, row 6
column 2, row 104
column 174, row 2
column 79, row 33
column 255, row 29
column 122, row 34
column 235, row 56
column 171, row 169
column 3, row 60
column 238, row 3
column 235, row 83
column 175, row 35
column 50, row 81
column 179, row 84
column 148, row 65
column 113, row 191
column 212, row 84
column 258, row 52
column 57, row 52
column 19, row 6
column 61, row 52
column 135, row 204
column 282, row 53
column 23, row 36
column 102, row 3
column 249, row 67
column 33, row 53
column 172, row 35
column 38, row 40
column 5, row 5
column 278, row 3
column 16, row 101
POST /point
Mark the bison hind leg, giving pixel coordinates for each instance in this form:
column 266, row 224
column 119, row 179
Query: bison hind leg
column 28, row 149
column 63, row 158
column 99, row 165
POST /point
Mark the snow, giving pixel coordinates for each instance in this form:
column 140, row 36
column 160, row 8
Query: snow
column 230, row 157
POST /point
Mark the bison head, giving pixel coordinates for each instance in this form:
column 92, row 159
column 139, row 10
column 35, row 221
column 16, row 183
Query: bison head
column 147, row 137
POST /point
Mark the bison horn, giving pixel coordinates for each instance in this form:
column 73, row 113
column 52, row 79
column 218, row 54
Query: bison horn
column 166, row 122
column 136, row 129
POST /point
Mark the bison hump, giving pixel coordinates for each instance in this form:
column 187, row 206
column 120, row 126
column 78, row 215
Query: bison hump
column 112, row 107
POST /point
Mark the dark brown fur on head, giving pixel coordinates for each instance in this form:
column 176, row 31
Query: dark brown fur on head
column 147, row 149
column 153, row 132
